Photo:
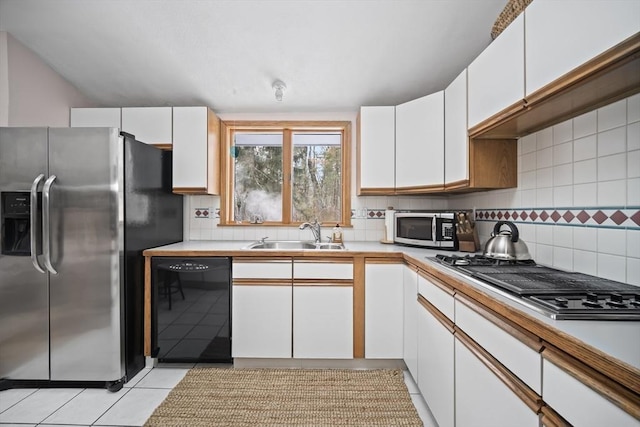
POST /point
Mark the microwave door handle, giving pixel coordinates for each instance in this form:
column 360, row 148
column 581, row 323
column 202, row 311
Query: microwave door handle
column 33, row 223
column 434, row 227
column 46, row 229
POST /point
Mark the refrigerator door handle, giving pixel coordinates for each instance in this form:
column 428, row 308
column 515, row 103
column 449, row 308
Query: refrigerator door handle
column 33, row 219
column 46, row 230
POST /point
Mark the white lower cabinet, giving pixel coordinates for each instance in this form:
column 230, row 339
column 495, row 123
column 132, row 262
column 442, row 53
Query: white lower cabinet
column 410, row 326
column 323, row 322
column 482, row 399
column 261, row 308
column 521, row 359
column 436, row 363
column 261, row 321
column 579, row 404
column 383, row 305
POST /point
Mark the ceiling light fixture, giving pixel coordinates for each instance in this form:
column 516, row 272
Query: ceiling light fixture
column 279, row 87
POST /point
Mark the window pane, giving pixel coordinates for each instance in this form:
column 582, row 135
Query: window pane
column 317, row 177
column 258, row 177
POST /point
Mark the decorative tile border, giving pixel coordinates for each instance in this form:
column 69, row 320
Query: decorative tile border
column 365, row 213
column 591, row 217
column 202, row 213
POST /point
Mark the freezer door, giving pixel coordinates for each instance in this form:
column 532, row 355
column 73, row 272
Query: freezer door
column 85, row 229
column 24, row 297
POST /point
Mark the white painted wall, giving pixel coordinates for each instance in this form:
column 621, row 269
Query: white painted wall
column 590, row 163
column 31, row 92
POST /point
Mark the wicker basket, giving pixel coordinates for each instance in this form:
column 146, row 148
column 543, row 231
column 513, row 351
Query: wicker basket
column 508, row 14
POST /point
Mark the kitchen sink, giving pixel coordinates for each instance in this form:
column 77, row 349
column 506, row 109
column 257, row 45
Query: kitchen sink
column 294, row 245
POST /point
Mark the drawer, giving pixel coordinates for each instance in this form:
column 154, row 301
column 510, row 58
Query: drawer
column 440, row 298
column 323, row 270
column 262, row 270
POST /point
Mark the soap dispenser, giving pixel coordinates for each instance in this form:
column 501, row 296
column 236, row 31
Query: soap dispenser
column 337, row 234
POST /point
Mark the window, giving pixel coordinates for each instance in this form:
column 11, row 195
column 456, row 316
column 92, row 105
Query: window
column 285, row 173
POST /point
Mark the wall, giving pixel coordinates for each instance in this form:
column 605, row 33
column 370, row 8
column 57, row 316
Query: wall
column 577, row 204
column 31, row 92
column 367, row 212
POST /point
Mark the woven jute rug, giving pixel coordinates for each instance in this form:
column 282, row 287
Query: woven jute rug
column 288, row 397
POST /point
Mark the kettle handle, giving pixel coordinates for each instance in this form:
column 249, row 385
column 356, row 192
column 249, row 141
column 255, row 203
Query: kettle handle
column 515, row 235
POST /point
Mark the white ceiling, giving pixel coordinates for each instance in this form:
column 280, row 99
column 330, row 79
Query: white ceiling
column 333, row 55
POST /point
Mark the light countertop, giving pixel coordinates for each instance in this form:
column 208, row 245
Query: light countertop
column 615, row 338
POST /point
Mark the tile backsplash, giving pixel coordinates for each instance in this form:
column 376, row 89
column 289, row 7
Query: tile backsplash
column 577, row 204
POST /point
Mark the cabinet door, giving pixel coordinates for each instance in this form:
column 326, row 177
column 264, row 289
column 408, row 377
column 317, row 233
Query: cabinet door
column 561, row 35
column 579, row 404
column 148, row 124
column 323, row 322
column 95, row 117
column 383, row 311
column 376, row 150
column 420, row 142
column 482, row 399
column 410, row 325
column 456, row 153
column 520, row 358
column 261, row 321
column 496, row 77
column 196, row 156
column 436, row 366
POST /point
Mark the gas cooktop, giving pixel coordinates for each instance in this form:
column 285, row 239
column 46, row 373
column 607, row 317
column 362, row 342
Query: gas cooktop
column 558, row 294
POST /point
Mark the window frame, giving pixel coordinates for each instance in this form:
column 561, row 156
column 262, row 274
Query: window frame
column 227, row 129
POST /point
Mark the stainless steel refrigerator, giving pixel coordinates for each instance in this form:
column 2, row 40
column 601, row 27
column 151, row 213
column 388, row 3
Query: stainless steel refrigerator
column 77, row 207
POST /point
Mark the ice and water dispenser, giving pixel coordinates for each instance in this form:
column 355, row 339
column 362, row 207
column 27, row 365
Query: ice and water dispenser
column 15, row 217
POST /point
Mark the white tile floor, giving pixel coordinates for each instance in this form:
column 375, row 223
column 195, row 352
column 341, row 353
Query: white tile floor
column 131, row 406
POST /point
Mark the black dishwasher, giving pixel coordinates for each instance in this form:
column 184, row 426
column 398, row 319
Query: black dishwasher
column 191, row 309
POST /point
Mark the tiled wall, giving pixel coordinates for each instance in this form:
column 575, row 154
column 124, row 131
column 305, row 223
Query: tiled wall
column 367, row 219
column 577, row 204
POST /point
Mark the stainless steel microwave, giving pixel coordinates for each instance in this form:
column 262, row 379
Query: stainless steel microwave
column 425, row 229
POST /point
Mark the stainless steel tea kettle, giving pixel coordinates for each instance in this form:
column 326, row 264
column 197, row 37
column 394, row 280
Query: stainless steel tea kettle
column 506, row 244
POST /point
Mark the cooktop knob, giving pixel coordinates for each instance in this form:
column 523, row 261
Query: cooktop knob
column 615, row 297
column 591, row 297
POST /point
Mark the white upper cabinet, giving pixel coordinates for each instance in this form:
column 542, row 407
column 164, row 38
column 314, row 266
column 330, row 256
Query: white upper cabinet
column 95, row 117
column 196, row 151
column 376, row 150
column 561, row 35
column 496, row 76
column 419, row 160
column 456, row 153
column 152, row 125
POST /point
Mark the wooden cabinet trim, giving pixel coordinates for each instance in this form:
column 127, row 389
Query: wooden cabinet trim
column 439, row 316
column 323, row 282
column 321, row 260
column 370, row 191
column 520, row 389
column 260, row 260
column 190, row 190
column 262, row 282
column 625, row 398
column 437, row 282
column 550, row 418
column 497, row 119
column 358, row 307
column 420, row 189
column 164, row 146
column 456, row 185
column 527, row 338
column 383, row 261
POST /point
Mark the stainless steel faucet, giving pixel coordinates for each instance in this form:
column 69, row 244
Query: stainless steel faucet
column 315, row 229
